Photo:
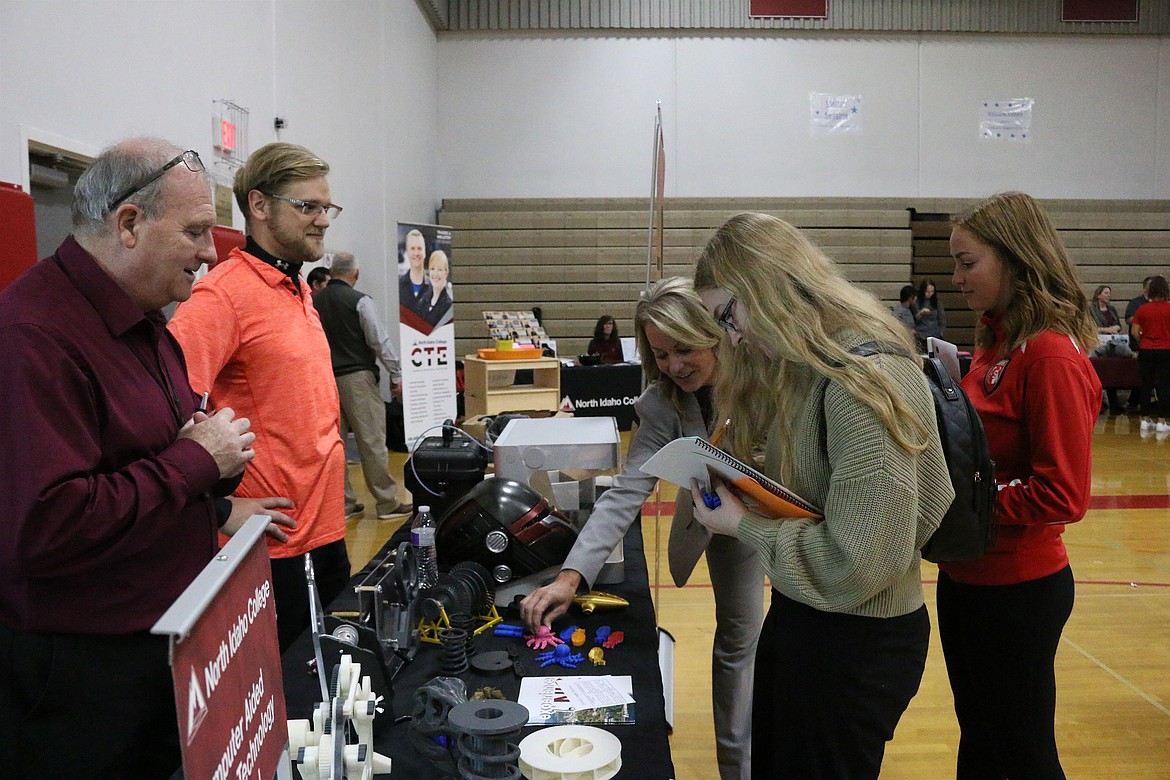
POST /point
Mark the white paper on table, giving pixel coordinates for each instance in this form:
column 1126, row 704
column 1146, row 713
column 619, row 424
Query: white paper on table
column 586, row 693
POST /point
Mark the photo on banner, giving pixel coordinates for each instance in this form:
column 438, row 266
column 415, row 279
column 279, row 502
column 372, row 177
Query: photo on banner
column 426, row 333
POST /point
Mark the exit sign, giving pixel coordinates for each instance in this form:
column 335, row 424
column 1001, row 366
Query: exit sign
column 227, row 136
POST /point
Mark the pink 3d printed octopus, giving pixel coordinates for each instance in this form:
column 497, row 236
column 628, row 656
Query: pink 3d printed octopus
column 544, row 637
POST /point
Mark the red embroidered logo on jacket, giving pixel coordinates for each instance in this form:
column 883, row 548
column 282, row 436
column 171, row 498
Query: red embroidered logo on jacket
column 993, row 376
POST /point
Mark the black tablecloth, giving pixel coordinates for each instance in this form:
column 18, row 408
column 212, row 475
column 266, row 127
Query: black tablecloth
column 603, row 391
column 645, row 748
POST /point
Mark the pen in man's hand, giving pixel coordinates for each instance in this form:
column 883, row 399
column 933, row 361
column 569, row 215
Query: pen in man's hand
column 203, row 403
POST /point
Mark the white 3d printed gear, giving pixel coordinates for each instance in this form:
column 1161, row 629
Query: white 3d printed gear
column 570, row 753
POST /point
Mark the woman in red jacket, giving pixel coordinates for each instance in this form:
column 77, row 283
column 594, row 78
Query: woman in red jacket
column 1000, row 617
column 1151, row 324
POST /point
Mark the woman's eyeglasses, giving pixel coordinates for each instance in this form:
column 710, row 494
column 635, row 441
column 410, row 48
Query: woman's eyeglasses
column 725, row 318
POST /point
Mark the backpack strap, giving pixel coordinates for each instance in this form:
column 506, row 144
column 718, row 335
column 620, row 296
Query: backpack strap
column 933, row 367
column 874, row 348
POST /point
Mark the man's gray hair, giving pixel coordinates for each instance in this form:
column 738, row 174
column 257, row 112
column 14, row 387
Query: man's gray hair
column 116, row 169
column 344, row 264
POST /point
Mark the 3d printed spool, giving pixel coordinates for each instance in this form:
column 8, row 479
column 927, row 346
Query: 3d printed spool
column 485, row 728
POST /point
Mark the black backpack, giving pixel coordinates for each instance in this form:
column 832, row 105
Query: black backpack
column 967, row 529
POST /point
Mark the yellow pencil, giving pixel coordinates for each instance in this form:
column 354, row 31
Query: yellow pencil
column 719, row 433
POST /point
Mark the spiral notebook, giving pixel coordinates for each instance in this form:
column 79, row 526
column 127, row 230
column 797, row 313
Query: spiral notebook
column 690, row 457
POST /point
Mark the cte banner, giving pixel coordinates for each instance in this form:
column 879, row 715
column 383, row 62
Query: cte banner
column 426, row 333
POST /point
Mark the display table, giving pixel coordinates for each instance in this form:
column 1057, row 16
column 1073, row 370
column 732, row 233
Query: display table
column 645, row 747
column 484, row 393
column 1117, row 372
column 603, row 391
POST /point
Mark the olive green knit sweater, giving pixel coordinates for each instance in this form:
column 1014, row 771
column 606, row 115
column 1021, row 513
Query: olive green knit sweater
column 880, row 503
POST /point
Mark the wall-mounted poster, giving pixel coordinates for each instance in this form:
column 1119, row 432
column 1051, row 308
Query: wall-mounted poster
column 1007, row 119
column 426, row 328
column 834, row 114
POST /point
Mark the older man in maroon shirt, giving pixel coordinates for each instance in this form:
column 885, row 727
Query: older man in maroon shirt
column 107, row 473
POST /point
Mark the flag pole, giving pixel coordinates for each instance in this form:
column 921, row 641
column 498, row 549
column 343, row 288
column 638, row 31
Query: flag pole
column 657, row 183
column 657, row 179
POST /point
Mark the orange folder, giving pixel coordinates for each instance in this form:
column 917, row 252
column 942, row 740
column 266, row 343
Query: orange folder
column 693, row 457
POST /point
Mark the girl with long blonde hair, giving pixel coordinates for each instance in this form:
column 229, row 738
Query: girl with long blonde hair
column 844, row 644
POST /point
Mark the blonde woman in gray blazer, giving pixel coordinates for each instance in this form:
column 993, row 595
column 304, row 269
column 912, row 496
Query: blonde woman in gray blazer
column 678, row 341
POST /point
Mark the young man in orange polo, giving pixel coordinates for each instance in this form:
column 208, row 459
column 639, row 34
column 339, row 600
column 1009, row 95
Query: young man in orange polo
column 254, row 341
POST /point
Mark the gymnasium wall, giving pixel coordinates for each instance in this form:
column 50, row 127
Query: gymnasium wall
column 531, row 115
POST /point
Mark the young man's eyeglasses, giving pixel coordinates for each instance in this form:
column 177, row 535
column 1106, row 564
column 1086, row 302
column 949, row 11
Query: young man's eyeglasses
column 190, row 158
column 308, row 208
column 725, row 316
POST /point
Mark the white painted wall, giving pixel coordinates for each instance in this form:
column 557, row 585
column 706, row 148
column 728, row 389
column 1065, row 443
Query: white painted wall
column 571, row 115
column 85, row 74
column 1101, row 107
column 406, row 119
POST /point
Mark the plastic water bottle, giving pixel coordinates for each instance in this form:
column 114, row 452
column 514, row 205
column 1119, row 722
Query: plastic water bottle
column 422, row 538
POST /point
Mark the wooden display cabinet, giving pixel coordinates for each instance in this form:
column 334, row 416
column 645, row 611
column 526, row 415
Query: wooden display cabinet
column 483, row 396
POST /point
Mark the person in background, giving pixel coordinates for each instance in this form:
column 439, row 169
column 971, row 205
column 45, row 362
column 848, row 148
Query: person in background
column 930, row 318
column 1134, row 304
column 254, row 341
column 435, row 308
column 1151, row 327
column 679, row 346
column 414, row 289
column 1000, row 617
column 605, row 341
column 1104, row 312
column 357, row 343
column 904, row 311
column 317, row 279
column 1108, row 325
column 107, row 508
column 843, row 647
column 1136, row 395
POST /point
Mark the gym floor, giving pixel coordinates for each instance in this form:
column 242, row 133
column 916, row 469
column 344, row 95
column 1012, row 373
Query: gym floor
column 1113, row 666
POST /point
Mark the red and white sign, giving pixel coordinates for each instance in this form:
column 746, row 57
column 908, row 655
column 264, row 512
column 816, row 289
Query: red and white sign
column 807, row 9
column 228, row 688
column 1099, row 11
column 227, row 136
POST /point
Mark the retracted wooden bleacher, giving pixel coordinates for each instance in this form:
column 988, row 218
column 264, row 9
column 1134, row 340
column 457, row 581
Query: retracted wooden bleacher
column 580, row 258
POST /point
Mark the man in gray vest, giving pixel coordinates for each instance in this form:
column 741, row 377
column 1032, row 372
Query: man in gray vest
column 357, row 343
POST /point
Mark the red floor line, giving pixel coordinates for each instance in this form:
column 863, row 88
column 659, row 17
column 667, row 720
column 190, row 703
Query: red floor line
column 1130, row 502
column 707, row 585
